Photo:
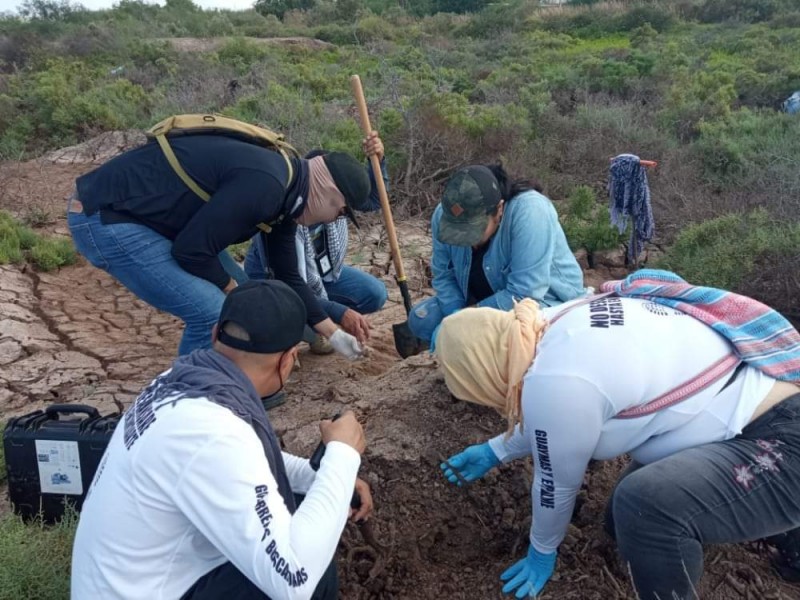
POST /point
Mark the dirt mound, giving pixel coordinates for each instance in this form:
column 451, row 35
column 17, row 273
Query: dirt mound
column 189, row 44
column 442, row 541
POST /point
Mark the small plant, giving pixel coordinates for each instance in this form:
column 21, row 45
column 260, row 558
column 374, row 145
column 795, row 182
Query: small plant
column 35, row 558
column 19, row 243
column 51, row 253
column 37, row 217
column 586, row 223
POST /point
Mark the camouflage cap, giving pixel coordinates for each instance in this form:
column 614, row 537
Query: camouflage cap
column 469, row 197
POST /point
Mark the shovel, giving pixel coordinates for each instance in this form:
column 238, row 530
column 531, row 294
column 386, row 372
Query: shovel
column 405, row 342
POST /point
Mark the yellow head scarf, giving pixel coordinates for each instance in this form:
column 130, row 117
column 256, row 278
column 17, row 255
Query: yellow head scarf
column 485, row 353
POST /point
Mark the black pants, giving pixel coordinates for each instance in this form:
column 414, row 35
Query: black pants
column 226, row 582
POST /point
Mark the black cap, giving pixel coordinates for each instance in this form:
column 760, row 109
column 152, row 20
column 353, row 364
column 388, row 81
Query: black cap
column 270, row 312
column 351, row 178
column 469, row 198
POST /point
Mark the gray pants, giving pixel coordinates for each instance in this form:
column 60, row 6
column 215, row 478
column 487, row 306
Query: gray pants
column 742, row 489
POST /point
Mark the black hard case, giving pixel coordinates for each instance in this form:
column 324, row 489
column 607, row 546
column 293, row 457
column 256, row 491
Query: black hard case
column 92, row 433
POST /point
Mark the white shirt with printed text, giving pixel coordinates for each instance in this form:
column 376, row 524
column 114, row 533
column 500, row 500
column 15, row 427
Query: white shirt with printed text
column 193, row 491
column 602, row 358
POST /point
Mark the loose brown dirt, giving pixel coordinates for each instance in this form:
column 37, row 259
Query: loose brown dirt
column 78, row 336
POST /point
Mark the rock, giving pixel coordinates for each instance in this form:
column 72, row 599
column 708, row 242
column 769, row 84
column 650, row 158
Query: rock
column 609, row 258
column 507, row 521
column 98, row 149
column 582, row 256
column 10, row 350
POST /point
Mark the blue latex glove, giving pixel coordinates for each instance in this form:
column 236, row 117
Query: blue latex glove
column 529, row 575
column 473, row 463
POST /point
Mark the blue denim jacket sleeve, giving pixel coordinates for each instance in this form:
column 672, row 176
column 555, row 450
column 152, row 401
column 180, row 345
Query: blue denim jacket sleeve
column 374, row 197
column 445, row 283
column 531, row 226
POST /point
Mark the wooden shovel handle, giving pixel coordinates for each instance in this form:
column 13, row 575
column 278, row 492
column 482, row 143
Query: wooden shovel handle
column 358, row 94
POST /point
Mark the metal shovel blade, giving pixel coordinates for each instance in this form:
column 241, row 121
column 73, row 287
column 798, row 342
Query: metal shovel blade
column 405, row 342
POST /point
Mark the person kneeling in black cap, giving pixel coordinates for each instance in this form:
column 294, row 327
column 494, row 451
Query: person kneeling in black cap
column 194, row 498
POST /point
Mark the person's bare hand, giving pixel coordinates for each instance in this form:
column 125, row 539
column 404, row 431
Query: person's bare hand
column 345, row 429
column 373, row 145
column 364, row 512
column 356, row 325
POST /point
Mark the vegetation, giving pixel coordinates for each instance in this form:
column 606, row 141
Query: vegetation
column 19, row 244
column 586, row 222
column 728, row 251
column 35, row 558
column 552, row 91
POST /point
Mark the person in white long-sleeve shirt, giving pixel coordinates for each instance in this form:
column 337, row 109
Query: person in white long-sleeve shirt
column 194, row 498
column 717, row 463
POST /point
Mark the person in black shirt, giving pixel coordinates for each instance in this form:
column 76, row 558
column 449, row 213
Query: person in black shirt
column 135, row 218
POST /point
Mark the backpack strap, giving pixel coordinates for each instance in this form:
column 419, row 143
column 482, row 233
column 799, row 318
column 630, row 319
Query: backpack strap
column 173, row 161
column 688, row 388
column 679, row 393
column 179, row 170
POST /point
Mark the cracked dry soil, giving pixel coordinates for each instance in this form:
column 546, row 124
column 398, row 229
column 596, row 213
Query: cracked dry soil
column 77, row 336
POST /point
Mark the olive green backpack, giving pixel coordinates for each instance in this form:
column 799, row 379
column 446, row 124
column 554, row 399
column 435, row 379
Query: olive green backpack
column 220, row 125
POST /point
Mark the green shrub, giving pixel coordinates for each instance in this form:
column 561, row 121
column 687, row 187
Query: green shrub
column 69, row 98
column 745, row 11
column 752, row 150
column 53, row 253
column 18, row 243
column 723, row 251
column 586, row 222
column 241, row 53
column 10, row 250
column 35, row 558
column 698, row 97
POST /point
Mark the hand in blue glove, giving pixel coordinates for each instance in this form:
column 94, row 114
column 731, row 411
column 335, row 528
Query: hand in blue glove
column 471, row 464
column 529, row 575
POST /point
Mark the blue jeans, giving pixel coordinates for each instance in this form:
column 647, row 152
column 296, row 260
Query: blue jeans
column 742, row 489
column 354, row 288
column 141, row 260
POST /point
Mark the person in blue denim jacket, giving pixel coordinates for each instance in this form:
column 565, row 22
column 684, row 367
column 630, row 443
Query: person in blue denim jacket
column 495, row 241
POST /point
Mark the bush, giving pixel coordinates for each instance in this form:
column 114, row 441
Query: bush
column 49, row 254
column 722, row 252
column 35, row 558
column 755, row 151
column 19, row 243
column 698, row 97
column 279, row 8
column 586, row 223
column 745, row 11
column 68, row 99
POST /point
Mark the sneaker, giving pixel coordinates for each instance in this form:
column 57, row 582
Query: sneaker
column 274, row 400
column 321, row 345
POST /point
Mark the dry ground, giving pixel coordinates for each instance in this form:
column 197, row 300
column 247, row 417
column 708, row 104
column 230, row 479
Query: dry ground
column 77, row 336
